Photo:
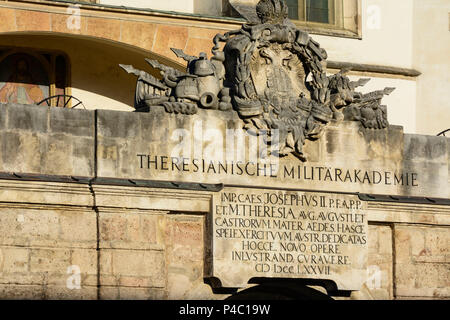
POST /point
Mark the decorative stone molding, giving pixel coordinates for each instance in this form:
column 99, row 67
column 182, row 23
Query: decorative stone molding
column 49, row 193
column 151, row 198
column 386, row 212
column 373, row 68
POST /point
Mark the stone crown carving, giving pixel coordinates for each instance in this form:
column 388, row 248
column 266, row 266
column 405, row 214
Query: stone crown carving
column 272, row 74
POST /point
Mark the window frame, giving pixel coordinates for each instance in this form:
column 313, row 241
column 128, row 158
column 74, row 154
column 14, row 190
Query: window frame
column 338, row 28
column 302, row 10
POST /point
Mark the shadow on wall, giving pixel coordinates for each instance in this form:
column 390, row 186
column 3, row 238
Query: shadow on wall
column 96, row 78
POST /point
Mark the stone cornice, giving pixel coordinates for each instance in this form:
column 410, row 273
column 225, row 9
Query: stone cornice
column 373, row 69
column 111, row 9
column 76, row 196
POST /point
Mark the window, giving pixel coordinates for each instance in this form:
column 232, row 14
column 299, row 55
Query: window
column 28, row 76
column 328, row 17
column 334, row 17
column 321, row 11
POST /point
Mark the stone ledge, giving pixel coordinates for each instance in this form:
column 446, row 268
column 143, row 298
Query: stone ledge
column 151, row 198
column 48, row 193
column 408, row 213
column 135, row 10
column 373, row 68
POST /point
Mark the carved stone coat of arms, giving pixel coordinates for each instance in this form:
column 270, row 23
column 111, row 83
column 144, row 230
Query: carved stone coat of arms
column 269, row 72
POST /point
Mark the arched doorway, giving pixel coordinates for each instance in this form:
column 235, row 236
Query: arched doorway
column 90, row 70
column 280, row 290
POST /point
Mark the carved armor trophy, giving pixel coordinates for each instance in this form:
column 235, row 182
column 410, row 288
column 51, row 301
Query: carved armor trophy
column 269, row 72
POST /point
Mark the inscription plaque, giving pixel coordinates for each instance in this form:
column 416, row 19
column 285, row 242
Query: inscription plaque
column 287, row 234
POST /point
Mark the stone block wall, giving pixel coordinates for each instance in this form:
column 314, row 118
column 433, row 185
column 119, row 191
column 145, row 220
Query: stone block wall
column 44, row 140
column 151, row 255
column 127, row 253
column 422, row 261
column 142, row 242
column 120, row 253
column 37, row 246
column 380, row 266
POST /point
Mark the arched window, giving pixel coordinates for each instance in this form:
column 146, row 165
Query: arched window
column 29, row 76
column 23, row 79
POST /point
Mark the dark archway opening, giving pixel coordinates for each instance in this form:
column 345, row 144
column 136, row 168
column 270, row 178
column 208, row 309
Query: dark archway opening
column 280, row 290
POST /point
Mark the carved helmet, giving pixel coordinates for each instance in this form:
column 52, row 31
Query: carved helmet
column 203, row 67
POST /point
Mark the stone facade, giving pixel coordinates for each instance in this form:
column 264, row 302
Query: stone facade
column 420, row 104
column 157, row 33
column 60, row 213
column 99, row 204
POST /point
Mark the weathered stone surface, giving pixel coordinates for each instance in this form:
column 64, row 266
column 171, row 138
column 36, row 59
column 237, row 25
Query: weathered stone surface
column 32, row 20
column 422, row 262
column 347, row 158
column 150, row 242
column 181, row 287
column 185, row 254
column 411, row 213
column 21, row 292
column 132, row 268
column 43, row 140
column 113, row 124
column 49, row 193
column 152, row 198
column 78, row 227
column 28, row 118
column 126, row 293
column 130, row 229
column 53, row 267
column 426, row 148
column 86, row 259
column 184, row 247
column 3, row 115
column 15, row 260
column 21, row 152
column 76, row 122
column 379, row 283
column 9, row 17
column 104, row 28
column 63, row 293
column 47, row 227
column 49, row 260
column 287, row 234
